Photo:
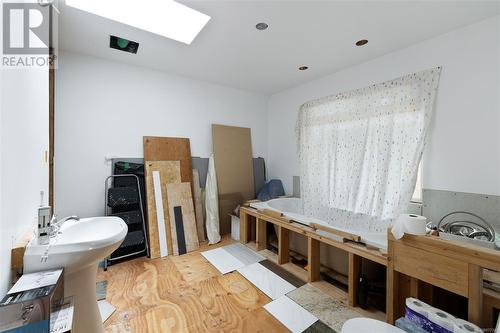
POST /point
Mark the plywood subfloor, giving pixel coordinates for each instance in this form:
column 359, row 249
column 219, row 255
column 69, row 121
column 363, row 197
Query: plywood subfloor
column 187, row 294
column 184, row 294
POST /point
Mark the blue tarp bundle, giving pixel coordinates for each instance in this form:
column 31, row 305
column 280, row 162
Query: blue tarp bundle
column 272, row 189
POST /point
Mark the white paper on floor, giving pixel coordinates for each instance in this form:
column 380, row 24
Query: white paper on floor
column 243, row 253
column 106, row 309
column 222, row 260
column 290, row 314
column 267, row 281
column 231, row 257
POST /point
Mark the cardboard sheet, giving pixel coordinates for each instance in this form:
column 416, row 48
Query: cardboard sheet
column 234, row 168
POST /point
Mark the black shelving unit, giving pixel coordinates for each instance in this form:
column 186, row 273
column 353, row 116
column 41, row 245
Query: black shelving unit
column 123, row 199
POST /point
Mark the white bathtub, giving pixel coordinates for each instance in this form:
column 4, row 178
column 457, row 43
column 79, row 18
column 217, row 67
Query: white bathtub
column 292, row 208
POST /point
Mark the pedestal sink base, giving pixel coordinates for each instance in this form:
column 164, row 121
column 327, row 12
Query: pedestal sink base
column 81, row 285
column 78, row 247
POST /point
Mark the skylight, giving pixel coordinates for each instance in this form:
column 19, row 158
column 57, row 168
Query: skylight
column 163, row 17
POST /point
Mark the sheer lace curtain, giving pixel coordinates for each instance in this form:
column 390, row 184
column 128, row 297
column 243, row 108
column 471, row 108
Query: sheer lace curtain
column 359, row 151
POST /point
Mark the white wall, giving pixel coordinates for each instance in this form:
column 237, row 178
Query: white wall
column 463, row 153
column 24, row 171
column 4, row 263
column 104, row 108
column 23, row 142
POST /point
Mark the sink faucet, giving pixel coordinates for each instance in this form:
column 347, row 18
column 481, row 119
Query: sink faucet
column 57, row 224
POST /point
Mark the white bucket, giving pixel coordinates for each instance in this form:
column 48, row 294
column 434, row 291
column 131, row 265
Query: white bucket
column 235, row 227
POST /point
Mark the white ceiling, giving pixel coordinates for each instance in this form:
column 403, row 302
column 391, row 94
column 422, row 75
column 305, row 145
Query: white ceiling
column 319, row 34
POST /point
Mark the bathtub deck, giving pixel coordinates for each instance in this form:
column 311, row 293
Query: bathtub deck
column 251, row 216
column 361, row 250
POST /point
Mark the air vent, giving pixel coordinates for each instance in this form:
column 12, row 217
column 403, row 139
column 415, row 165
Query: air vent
column 123, row 44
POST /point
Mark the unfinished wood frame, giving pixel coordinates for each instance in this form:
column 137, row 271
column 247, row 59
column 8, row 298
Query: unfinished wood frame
column 285, row 227
column 450, row 265
column 313, row 262
column 50, row 156
column 427, row 261
column 244, row 228
column 52, row 113
column 491, row 302
column 261, row 237
column 475, row 294
column 361, row 250
column 283, row 245
column 354, row 274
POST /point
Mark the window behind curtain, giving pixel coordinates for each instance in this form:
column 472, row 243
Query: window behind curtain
column 360, row 151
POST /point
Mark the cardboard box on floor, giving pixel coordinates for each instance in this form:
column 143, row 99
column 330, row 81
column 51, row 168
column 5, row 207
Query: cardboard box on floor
column 234, row 168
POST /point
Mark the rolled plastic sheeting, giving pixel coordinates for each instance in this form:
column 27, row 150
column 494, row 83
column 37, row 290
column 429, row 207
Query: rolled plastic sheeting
column 212, row 204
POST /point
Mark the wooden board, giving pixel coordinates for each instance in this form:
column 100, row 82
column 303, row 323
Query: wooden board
column 343, row 234
column 313, row 261
column 198, row 207
column 170, row 149
column 234, row 168
column 185, row 233
column 354, row 274
column 169, row 173
column 261, row 234
column 17, row 252
column 491, row 276
column 433, row 268
column 283, row 245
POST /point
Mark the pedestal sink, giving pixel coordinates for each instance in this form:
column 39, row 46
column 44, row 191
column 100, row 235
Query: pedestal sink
column 78, row 247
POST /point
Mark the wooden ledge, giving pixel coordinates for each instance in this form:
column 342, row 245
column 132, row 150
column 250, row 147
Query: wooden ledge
column 17, row 252
column 349, row 245
column 343, row 234
column 482, row 256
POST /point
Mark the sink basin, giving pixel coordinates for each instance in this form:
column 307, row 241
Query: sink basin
column 78, row 247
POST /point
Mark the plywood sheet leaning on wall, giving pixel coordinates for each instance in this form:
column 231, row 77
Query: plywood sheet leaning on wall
column 182, row 218
column 198, row 208
column 170, row 149
column 169, row 172
column 234, row 168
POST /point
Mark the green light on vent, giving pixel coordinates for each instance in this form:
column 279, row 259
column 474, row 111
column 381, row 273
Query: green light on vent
column 122, row 43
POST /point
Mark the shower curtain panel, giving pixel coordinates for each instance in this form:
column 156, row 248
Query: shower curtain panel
column 359, row 151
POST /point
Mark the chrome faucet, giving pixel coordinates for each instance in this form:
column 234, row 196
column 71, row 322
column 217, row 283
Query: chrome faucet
column 57, row 224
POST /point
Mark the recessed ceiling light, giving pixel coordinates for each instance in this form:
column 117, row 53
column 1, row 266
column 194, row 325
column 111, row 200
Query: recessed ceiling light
column 261, row 26
column 163, row 17
column 362, row 42
column 303, row 68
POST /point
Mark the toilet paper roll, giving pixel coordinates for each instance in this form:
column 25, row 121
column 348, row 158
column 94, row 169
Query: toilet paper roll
column 418, row 306
column 443, row 319
column 414, row 224
column 463, row 326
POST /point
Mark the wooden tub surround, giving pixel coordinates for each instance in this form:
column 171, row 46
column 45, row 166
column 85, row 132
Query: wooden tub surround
column 414, row 263
column 356, row 251
column 447, row 264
